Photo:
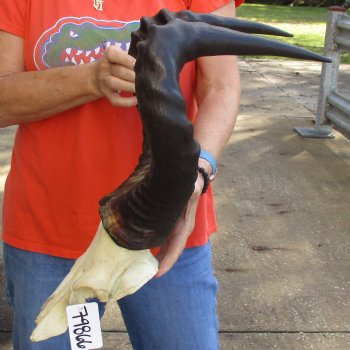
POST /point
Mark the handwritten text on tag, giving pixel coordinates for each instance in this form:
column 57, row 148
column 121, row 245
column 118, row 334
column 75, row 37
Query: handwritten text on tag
column 84, row 326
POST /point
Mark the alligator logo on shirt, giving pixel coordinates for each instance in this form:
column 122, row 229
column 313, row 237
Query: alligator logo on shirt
column 73, row 41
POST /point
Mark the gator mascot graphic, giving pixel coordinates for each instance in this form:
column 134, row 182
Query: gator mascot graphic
column 73, row 41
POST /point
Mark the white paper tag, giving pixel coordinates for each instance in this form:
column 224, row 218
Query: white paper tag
column 84, row 326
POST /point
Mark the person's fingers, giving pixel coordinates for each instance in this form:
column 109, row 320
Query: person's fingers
column 117, row 56
column 122, row 101
column 117, row 84
column 169, row 257
column 173, row 248
column 122, row 72
column 114, row 73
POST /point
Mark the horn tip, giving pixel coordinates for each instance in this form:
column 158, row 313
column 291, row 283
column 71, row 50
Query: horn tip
column 284, row 33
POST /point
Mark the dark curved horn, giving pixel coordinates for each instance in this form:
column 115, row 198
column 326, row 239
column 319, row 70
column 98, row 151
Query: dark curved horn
column 232, row 23
column 212, row 40
column 141, row 213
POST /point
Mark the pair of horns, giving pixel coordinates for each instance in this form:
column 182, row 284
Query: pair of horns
column 219, row 35
column 142, row 212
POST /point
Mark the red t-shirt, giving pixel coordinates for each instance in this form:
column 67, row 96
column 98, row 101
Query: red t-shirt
column 63, row 165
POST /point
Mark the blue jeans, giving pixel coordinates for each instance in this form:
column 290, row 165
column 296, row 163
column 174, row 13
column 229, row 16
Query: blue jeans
column 176, row 311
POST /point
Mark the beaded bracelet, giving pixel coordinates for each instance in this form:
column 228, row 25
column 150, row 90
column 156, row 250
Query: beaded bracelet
column 206, row 179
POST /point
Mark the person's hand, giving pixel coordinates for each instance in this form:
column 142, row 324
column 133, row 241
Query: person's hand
column 171, row 250
column 114, row 73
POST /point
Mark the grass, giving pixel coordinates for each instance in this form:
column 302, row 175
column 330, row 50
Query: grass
column 308, row 24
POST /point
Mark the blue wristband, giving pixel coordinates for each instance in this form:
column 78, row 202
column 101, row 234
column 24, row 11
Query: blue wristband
column 210, row 158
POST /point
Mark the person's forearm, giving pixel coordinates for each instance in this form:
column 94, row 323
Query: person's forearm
column 32, row 96
column 218, row 108
column 218, row 95
column 215, row 120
